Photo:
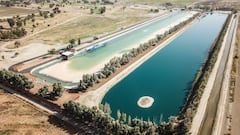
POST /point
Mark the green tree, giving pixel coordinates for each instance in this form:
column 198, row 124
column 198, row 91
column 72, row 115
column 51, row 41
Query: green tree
column 51, row 5
column 11, row 22
column 52, row 51
column 33, row 20
column 14, row 80
column 40, row 13
column 91, row 11
column 45, row 16
column 57, row 90
column 69, row 47
column 102, row 10
column 52, row 15
column 72, row 41
column 82, row 85
column 43, row 91
column 17, row 44
column 19, row 23
column 16, row 53
column 33, row 15
column 24, row 22
column 79, row 41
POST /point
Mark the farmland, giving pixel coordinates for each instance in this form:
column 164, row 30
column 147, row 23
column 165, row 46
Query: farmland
column 19, row 117
column 6, row 11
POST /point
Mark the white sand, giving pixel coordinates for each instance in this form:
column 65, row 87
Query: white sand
column 25, row 53
column 145, row 102
column 61, row 70
column 93, row 98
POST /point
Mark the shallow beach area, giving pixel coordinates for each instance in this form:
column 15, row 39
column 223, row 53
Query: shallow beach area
column 62, row 70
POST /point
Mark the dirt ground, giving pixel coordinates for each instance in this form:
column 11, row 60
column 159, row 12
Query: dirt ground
column 76, row 22
column 21, row 118
column 6, row 11
column 86, row 25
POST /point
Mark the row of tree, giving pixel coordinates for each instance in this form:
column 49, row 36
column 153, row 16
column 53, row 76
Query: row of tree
column 16, row 30
column 19, row 21
column 14, row 80
column 116, row 62
column 14, row 33
column 57, row 91
column 102, row 123
column 99, row 10
column 46, row 14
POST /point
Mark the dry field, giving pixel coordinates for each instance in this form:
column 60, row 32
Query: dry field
column 92, row 25
column 21, row 118
column 40, row 22
column 7, row 11
column 76, row 22
column 158, row 2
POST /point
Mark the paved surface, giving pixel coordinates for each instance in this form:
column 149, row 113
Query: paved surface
column 220, row 119
column 204, row 118
column 235, row 130
column 218, row 88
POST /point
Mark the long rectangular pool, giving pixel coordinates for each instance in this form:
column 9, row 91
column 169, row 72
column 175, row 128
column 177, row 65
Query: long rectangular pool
column 168, row 75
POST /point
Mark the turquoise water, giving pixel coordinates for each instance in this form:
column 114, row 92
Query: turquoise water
column 116, row 45
column 167, row 75
column 121, row 44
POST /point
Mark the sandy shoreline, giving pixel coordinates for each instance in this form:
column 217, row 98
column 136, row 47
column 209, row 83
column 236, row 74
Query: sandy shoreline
column 93, row 98
column 62, row 71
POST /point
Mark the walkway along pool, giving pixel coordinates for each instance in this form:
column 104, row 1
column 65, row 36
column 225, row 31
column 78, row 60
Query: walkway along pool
column 168, row 75
column 89, row 61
